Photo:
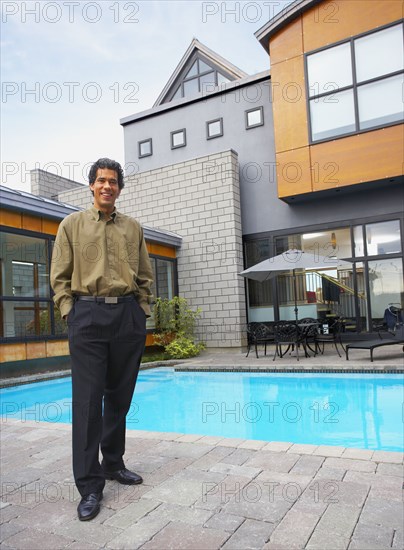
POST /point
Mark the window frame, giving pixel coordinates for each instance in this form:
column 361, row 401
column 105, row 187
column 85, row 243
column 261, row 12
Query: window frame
column 173, row 261
column 354, row 86
column 184, row 131
column 220, row 120
column 250, row 126
column 213, row 69
column 49, row 240
column 140, row 143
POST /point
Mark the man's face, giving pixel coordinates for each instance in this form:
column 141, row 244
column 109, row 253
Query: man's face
column 105, row 189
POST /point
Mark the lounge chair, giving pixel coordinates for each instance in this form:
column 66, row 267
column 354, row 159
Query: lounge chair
column 391, row 340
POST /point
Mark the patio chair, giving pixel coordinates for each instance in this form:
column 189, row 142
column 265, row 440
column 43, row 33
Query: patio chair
column 309, row 327
column 334, row 337
column 288, row 333
column 258, row 334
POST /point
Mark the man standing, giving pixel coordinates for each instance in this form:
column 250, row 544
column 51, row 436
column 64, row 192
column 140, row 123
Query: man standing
column 101, row 275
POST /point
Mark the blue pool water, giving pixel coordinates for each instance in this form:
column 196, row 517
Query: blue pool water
column 351, row 410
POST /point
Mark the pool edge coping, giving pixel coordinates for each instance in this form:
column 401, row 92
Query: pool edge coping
column 327, row 451
column 184, row 366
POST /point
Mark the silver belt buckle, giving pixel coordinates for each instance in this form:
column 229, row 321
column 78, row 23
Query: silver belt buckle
column 111, row 300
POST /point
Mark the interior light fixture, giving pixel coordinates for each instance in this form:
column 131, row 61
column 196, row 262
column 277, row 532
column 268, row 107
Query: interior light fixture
column 312, row 235
column 333, row 240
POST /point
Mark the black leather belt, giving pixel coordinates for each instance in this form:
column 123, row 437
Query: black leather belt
column 107, row 299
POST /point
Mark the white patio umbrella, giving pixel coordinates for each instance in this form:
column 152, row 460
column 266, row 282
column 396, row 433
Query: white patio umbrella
column 290, row 261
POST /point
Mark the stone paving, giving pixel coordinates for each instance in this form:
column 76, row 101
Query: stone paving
column 205, row 492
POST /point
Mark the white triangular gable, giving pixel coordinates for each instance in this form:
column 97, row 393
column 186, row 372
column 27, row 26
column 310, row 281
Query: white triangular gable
column 200, row 70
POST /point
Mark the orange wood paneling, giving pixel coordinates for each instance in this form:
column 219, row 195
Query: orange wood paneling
column 335, row 20
column 287, row 43
column 49, row 226
column 293, row 172
column 161, row 250
column 55, row 348
column 31, row 223
column 10, row 219
column 36, row 350
column 149, row 339
column 364, row 157
column 12, row 352
column 289, row 105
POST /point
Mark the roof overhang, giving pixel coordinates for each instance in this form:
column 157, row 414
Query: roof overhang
column 283, row 18
column 21, row 201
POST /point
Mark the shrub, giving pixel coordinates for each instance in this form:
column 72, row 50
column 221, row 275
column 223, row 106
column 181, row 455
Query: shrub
column 175, row 327
column 182, row 348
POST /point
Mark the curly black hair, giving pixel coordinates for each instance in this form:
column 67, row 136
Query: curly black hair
column 110, row 165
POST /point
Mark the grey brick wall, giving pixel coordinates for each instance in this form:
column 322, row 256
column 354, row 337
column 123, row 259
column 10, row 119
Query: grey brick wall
column 200, row 200
column 49, row 185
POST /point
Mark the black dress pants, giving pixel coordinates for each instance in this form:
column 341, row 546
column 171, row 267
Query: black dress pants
column 106, row 344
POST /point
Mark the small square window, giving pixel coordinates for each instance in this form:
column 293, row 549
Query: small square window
column 145, row 148
column 254, row 117
column 214, row 128
column 178, row 138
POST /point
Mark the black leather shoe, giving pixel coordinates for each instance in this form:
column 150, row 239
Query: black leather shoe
column 126, row 477
column 89, row 506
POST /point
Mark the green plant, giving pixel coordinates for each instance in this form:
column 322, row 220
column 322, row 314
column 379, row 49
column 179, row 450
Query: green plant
column 175, row 327
column 182, row 348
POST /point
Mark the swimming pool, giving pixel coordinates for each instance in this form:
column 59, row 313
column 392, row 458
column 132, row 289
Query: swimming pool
column 352, row 410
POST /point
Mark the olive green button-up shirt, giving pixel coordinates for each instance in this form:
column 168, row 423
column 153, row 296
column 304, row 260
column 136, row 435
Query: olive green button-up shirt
column 95, row 256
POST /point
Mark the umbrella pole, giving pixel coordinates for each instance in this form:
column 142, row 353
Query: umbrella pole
column 295, row 292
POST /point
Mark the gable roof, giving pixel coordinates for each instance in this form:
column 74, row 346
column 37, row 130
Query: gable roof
column 216, row 61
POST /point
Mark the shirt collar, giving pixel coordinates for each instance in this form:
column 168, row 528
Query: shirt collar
column 98, row 215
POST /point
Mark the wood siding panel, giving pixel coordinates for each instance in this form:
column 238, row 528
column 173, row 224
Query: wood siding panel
column 360, row 158
column 289, row 105
column 36, row 350
column 293, row 172
column 12, row 352
column 31, row 223
column 10, row 219
column 49, row 227
column 55, row 348
column 287, row 43
column 161, row 250
column 335, row 20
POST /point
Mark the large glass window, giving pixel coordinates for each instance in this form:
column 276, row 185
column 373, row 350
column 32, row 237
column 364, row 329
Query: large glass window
column 386, row 285
column 379, row 53
column 383, row 238
column 359, row 293
column 164, row 284
column 329, row 70
column 356, row 85
column 26, row 306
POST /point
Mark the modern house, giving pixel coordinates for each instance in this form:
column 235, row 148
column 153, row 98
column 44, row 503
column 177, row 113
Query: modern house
column 228, row 169
column 311, row 156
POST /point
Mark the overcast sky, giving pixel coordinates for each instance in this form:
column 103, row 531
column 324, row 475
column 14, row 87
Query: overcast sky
column 71, row 70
